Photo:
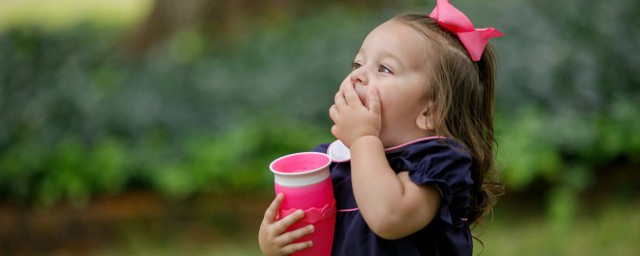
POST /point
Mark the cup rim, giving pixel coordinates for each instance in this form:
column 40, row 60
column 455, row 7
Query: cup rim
column 320, row 168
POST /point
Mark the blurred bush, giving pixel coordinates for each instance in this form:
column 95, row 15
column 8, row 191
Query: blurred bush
column 568, row 97
column 568, row 90
column 80, row 118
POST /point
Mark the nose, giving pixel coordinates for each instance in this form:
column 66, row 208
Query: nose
column 359, row 76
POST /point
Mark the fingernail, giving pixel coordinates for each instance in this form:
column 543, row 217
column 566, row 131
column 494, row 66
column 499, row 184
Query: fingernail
column 299, row 212
column 311, row 228
column 310, row 243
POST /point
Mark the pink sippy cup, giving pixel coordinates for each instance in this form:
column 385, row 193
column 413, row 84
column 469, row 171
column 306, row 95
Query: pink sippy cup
column 304, row 180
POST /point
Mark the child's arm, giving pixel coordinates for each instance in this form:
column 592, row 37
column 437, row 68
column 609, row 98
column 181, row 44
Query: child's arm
column 272, row 236
column 391, row 204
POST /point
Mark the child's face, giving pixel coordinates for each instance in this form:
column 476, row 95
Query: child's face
column 392, row 59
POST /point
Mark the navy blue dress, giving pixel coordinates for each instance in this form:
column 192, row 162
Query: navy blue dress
column 441, row 162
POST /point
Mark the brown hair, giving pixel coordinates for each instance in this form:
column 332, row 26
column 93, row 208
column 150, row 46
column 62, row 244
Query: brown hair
column 462, row 94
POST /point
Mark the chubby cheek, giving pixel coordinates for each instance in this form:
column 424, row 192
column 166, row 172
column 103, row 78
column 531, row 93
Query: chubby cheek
column 396, row 112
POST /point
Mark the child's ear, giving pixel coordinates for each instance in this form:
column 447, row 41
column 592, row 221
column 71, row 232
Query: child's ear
column 425, row 118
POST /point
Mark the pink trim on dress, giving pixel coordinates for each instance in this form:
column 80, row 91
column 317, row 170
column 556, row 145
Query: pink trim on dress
column 348, row 210
column 394, row 148
column 414, row 141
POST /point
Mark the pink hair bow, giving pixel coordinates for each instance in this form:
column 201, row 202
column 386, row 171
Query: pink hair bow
column 452, row 19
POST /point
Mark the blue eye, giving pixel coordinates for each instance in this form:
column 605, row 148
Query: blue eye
column 384, row 69
column 355, row 65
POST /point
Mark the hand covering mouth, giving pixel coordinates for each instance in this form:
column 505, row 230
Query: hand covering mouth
column 362, row 94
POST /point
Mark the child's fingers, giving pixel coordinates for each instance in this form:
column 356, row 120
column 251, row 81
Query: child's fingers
column 272, row 212
column 333, row 112
column 286, row 222
column 339, row 98
column 289, row 249
column 373, row 101
column 334, row 131
column 351, row 96
column 289, row 237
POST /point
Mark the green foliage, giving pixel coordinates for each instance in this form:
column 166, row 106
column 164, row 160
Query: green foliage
column 79, row 118
column 235, row 161
column 568, row 91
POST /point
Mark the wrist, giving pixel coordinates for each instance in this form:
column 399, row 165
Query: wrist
column 366, row 141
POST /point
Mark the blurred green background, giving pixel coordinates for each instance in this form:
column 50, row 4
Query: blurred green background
column 141, row 127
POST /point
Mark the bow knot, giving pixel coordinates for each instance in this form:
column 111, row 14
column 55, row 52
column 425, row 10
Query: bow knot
column 473, row 39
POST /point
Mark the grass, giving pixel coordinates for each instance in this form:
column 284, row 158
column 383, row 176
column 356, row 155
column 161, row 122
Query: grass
column 613, row 229
column 57, row 14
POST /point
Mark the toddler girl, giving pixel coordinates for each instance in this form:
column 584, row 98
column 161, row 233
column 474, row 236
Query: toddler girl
column 416, row 113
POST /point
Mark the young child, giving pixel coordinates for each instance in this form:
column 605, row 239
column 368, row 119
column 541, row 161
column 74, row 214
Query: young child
column 416, row 113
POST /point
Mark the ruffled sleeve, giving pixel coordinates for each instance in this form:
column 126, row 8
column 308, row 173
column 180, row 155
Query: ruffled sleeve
column 445, row 164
